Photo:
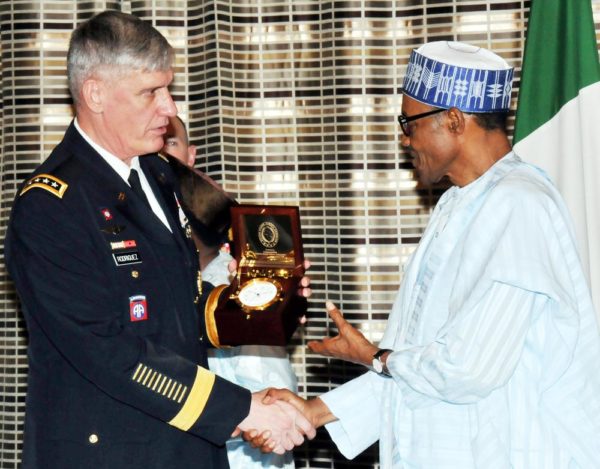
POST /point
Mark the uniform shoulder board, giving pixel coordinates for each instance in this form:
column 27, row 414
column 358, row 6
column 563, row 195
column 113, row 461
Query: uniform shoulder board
column 47, row 182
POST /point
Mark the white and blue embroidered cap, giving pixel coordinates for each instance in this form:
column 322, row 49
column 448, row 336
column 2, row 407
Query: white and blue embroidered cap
column 454, row 74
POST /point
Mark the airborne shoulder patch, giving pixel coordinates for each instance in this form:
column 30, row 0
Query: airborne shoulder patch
column 47, row 182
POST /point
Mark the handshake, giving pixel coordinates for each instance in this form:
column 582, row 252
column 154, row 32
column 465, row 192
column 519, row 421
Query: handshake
column 279, row 420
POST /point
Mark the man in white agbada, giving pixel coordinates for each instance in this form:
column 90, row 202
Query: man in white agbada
column 490, row 355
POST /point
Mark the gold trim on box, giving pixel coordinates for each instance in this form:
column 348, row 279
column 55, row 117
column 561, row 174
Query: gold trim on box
column 209, row 315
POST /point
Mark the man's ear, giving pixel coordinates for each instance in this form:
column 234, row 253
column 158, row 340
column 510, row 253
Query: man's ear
column 92, row 94
column 456, row 120
column 191, row 159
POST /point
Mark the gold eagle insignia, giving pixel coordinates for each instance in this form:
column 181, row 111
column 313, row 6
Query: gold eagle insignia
column 47, row 182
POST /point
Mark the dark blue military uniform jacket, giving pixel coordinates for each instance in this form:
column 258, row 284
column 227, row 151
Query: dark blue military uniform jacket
column 117, row 362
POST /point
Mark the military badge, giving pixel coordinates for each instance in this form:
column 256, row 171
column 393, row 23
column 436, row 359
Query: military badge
column 48, row 183
column 127, row 258
column 138, row 308
column 113, row 230
column 106, row 214
column 125, row 244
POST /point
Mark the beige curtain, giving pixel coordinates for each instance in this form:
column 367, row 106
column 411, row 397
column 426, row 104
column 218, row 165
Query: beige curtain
column 289, row 102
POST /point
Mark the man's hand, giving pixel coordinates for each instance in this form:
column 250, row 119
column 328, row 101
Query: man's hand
column 315, row 410
column 285, row 425
column 349, row 345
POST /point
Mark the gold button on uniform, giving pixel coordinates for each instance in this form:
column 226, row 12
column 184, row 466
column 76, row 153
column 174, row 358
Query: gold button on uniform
column 135, row 274
column 93, row 438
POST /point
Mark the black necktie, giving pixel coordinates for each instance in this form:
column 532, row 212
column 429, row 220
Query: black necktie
column 134, row 182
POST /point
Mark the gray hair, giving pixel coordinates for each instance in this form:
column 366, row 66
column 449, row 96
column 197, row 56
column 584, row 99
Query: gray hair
column 113, row 39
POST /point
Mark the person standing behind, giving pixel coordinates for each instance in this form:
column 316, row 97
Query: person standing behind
column 208, row 242
column 251, row 366
column 118, row 374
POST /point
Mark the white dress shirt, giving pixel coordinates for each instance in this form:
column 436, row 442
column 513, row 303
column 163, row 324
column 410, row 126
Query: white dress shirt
column 123, row 170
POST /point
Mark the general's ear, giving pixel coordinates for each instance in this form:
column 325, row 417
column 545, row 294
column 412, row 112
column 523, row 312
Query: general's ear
column 456, row 120
column 191, row 159
column 92, row 94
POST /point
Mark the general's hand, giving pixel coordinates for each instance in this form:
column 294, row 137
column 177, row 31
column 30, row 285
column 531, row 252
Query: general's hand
column 287, row 426
column 263, row 440
column 349, row 345
column 314, row 410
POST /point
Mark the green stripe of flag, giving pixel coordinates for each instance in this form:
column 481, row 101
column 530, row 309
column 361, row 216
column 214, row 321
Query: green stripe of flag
column 560, row 58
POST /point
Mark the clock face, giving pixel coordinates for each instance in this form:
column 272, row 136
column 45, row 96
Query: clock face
column 258, row 293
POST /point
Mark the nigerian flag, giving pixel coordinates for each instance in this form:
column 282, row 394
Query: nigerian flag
column 558, row 116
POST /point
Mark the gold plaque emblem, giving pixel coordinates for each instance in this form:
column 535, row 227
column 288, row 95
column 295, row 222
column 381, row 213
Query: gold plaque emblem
column 268, row 235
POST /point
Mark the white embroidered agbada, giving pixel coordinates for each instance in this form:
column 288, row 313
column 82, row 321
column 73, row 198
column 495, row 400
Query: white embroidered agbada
column 495, row 340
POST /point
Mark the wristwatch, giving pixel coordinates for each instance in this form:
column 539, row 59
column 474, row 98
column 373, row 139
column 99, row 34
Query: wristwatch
column 379, row 364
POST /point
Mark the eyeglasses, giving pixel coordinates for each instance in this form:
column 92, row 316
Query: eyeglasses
column 404, row 120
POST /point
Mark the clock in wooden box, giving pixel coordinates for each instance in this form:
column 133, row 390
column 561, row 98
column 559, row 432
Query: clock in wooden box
column 261, row 306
